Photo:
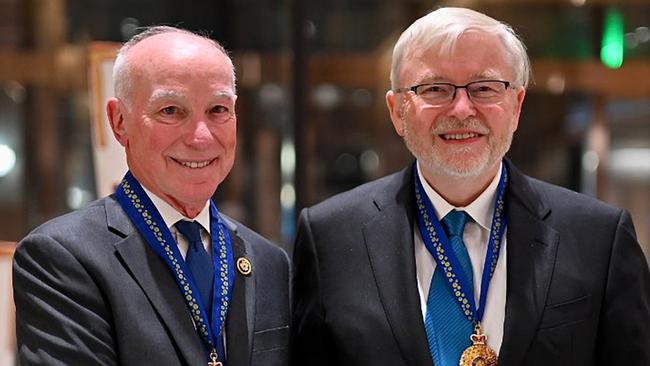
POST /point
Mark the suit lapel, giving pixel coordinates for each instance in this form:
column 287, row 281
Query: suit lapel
column 153, row 276
column 389, row 241
column 239, row 325
column 532, row 247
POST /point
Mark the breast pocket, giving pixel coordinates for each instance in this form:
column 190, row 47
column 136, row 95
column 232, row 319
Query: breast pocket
column 271, row 347
column 567, row 312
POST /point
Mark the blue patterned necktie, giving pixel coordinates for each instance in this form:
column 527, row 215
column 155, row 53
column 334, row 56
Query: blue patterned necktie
column 198, row 262
column 448, row 329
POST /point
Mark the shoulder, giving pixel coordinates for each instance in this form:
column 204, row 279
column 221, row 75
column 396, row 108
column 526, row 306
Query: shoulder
column 364, row 200
column 88, row 234
column 571, row 213
column 71, row 242
column 80, row 224
column 563, row 199
column 543, row 198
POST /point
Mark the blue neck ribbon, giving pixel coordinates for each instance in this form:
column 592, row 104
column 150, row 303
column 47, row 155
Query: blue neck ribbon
column 144, row 215
column 438, row 244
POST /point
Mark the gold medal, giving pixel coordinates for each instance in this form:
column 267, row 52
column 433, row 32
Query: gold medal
column 478, row 354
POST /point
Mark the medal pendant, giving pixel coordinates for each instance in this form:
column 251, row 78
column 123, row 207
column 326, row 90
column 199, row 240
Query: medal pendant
column 478, row 354
column 214, row 360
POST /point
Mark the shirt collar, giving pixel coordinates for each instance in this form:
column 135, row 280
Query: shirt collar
column 171, row 216
column 481, row 209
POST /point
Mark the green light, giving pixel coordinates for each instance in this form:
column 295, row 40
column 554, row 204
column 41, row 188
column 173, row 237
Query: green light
column 611, row 48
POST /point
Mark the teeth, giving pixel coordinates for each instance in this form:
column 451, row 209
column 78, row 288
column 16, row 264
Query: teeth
column 195, row 164
column 460, row 136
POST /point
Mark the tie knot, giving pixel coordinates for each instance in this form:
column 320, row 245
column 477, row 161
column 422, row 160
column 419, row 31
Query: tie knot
column 190, row 230
column 454, row 223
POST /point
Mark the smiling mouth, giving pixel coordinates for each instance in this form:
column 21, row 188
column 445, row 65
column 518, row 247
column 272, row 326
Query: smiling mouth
column 194, row 164
column 459, row 136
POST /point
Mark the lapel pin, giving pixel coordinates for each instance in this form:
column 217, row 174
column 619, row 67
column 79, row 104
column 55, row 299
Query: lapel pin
column 244, row 266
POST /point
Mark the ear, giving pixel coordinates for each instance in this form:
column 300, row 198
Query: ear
column 395, row 110
column 115, row 111
column 519, row 101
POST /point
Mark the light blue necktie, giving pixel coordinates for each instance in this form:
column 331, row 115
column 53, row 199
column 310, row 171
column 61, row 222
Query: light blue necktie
column 448, row 329
column 198, row 262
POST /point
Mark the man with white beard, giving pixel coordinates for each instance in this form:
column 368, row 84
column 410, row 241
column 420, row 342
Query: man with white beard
column 460, row 259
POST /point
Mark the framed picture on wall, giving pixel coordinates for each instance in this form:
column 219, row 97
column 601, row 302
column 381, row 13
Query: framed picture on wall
column 108, row 155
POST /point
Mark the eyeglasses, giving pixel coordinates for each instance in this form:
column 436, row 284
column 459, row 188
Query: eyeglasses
column 480, row 92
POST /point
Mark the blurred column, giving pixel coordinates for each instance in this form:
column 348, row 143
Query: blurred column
column 45, row 33
column 300, row 89
column 595, row 155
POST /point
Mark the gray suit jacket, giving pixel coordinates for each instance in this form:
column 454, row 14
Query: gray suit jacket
column 578, row 286
column 89, row 291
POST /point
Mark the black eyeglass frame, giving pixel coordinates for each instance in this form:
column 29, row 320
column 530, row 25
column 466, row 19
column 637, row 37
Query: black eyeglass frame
column 414, row 88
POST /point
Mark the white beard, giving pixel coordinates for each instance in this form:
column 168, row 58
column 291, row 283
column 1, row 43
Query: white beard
column 462, row 162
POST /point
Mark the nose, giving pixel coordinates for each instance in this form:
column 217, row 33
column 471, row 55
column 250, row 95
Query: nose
column 462, row 106
column 199, row 135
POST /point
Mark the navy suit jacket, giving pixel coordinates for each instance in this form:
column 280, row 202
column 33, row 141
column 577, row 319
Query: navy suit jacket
column 578, row 286
column 89, row 291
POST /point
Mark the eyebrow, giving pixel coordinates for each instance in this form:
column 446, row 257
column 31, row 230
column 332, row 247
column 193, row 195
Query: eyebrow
column 224, row 94
column 434, row 78
column 165, row 94
column 489, row 74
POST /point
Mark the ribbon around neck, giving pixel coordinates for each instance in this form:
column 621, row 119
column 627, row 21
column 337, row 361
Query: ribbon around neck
column 144, row 215
column 438, row 244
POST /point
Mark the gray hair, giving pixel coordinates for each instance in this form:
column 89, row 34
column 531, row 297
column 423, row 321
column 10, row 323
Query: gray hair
column 122, row 80
column 443, row 27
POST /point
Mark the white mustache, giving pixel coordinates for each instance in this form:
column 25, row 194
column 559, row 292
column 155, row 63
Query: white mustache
column 473, row 124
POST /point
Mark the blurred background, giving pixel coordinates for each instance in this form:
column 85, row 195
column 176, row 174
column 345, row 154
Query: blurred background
column 312, row 119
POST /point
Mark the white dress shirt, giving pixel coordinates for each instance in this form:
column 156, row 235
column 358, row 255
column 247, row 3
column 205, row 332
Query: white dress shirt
column 171, row 216
column 475, row 236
